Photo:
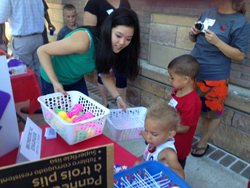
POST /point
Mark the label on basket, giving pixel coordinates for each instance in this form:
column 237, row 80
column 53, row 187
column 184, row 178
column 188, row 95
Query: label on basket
column 30, row 145
column 85, row 168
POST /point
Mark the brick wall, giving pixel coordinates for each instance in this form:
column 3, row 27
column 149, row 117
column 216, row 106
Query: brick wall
column 240, row 74
column 165, row 16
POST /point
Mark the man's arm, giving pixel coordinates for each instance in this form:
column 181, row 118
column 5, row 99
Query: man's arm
column 4, row 38
column 46, row 16
column 50, row 25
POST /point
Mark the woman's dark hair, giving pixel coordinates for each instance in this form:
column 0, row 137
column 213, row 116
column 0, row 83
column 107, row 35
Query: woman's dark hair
column 126, row 61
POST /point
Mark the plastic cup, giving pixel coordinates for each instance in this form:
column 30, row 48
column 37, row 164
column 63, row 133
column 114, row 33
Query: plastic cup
column 51, row 32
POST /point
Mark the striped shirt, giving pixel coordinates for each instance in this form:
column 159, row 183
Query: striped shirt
column 26, row 16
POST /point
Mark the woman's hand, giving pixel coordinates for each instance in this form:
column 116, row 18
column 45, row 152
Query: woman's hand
column 59, row 88
column 194, row 31
column 109, row 83
column 229, row 51
column 121, row 104
column 211, row 37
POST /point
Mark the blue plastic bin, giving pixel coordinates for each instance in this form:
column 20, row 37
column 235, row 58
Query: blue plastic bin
column 151, row 174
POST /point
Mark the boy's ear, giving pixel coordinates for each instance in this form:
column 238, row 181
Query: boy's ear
column 172, row 133
column 186, row 79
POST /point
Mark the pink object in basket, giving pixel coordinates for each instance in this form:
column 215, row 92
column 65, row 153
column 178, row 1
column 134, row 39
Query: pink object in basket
column 76, row 119
column 48, row 114
column 87, row 116
column 77, row 108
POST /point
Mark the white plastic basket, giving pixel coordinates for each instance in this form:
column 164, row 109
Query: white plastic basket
column 126, row 125
column 73, row 133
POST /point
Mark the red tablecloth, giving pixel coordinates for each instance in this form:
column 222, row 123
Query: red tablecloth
column 26, row 87
column 59, row 146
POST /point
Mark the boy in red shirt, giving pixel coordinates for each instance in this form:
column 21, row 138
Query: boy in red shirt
column 183, row 71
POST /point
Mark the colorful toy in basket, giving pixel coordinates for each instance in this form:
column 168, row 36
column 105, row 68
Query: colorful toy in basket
column 87, row 116
column 63, row 115
column 74, row 115
column 149, row 174
column 75, row 110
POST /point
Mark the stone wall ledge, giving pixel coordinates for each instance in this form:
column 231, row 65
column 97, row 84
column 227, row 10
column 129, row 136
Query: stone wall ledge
column 238, row 97
column 55, row 6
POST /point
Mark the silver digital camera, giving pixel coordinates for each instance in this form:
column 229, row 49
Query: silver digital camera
column 199, row 26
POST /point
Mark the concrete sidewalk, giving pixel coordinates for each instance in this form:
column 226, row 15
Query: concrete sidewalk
column 202, row 172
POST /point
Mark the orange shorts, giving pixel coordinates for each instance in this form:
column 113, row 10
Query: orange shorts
column 213, row 95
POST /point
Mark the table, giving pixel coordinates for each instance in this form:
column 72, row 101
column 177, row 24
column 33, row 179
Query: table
column 26, row 87
column 59, row 146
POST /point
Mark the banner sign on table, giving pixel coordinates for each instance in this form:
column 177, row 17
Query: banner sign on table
column 9, row 133
column 86, row 168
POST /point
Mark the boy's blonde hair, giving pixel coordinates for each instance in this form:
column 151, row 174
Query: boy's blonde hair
column 164, row 114
column 69, row 7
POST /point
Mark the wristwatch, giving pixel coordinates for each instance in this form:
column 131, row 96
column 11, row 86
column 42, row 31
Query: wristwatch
column 117, row 98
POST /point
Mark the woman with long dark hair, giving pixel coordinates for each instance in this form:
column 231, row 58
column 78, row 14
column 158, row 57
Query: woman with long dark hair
column 117, row 47
column 95, row 12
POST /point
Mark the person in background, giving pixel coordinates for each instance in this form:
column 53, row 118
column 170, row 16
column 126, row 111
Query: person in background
column 26, row 33
column 160, row 127
column 222, row 37
column 95, row 12
column 64, row 62
column 183, row 71
column 70, row 16
column 50, row 26
column 3, row 39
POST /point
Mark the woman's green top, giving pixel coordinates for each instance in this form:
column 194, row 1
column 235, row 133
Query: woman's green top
column 70, row 69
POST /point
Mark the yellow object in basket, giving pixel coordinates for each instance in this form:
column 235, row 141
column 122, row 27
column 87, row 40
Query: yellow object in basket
column 63, row 115
column 73, row 117
column 69, row 120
